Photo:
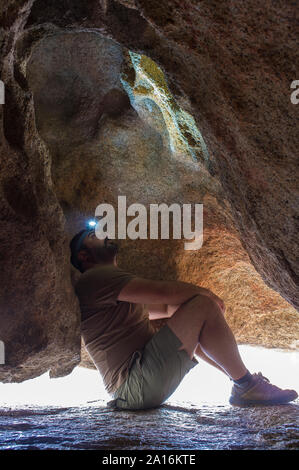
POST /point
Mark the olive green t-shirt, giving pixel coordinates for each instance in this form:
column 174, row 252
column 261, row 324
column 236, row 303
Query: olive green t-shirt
column 111, row 329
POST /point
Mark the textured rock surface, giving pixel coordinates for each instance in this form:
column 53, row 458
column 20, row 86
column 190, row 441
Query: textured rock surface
column 242, row 60
column 181, row 427
column 228, row 66
column 231, row 67
column 146, row 157
column 39, row 320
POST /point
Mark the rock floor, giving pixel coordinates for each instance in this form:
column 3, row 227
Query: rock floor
column 166, row 427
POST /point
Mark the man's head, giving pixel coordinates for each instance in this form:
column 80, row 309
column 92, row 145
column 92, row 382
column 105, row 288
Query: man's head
column 87, row 250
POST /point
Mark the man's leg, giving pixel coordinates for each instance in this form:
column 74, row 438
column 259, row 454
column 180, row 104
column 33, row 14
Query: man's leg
column 168, row 356
column 199, row 353
column 201, row 327
column 200, row 321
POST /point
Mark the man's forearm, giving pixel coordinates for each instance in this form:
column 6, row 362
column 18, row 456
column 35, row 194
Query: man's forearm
column 158, row 311
column 171, row 309
column 147, row 291
column 183, row 291
column 187, row 291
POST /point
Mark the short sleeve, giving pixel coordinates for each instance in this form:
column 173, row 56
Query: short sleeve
column 101, row 285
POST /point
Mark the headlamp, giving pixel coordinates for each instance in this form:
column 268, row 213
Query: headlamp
column 92, row 223
column 90, row 227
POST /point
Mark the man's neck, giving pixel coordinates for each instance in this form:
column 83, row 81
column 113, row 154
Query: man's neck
column 94, row 265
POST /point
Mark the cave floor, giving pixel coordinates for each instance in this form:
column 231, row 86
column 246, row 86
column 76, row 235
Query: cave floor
column 71, row 413
column 167, row 427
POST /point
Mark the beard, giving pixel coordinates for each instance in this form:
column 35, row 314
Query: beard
column 106, row 254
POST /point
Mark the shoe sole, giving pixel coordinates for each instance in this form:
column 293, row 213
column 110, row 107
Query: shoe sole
column 241, row 402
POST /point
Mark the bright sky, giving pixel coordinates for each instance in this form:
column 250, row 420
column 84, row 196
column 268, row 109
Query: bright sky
column 202, row 384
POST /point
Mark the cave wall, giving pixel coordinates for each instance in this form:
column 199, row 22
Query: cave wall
column 39, row 319
column 229, row 67
column 147, row 149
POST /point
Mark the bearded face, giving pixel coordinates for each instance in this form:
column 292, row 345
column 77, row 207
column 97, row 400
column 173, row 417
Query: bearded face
column 105, row 253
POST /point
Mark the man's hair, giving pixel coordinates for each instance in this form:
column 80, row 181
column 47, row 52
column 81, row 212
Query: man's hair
column 73, row 246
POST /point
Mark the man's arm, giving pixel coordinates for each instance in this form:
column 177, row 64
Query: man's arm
column 158, row 311
column 172, row 293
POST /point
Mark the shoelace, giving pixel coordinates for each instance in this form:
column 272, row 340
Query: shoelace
column 263, row 379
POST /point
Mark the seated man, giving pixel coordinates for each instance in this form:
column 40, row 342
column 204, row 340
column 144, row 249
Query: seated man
column 141, row 368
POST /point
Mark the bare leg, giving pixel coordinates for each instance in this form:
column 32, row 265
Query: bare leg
column 199, row 352
column 200, row 321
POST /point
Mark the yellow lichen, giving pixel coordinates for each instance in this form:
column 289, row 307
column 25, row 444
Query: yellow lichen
column 150, row 83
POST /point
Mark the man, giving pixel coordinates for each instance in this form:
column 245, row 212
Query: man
column 141, row 368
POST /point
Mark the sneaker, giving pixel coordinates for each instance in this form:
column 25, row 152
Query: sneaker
column 260, row 391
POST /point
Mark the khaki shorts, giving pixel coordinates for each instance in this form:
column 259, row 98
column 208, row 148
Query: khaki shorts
column 154, row 373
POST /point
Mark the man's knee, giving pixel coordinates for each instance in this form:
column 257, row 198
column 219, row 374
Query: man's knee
column 202, row 302
column 197, row 309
